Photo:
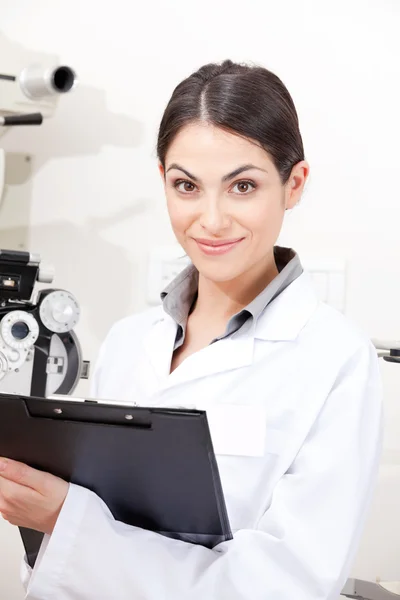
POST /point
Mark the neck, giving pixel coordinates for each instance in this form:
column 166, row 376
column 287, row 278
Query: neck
column 225, row 299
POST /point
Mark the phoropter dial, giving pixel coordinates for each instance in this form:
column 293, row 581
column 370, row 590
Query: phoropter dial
column 59, row 311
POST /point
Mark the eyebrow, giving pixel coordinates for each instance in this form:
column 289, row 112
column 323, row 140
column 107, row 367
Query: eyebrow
column 227, row 177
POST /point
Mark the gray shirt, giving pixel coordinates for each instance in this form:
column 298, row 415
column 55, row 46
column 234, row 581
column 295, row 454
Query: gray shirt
column 180, row 295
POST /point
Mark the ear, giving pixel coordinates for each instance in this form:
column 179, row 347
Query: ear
column 162, row 171
column 295, row 184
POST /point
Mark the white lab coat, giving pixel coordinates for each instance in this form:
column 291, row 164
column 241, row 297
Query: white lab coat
column 301, row 392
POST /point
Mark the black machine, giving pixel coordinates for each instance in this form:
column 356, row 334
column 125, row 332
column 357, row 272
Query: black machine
column 40, row 354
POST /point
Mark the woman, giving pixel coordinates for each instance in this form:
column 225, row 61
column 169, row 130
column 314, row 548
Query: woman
column 240, row 329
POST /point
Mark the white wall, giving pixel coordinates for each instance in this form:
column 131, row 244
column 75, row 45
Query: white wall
column 95, row 205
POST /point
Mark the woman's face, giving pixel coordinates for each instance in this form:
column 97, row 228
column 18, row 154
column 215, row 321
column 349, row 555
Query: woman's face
column 226, row 201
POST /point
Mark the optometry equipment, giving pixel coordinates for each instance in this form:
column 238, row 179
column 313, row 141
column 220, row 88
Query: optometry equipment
column 40, row 354
column 31, row 84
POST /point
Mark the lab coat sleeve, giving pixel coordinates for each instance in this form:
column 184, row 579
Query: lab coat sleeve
column 301, row 549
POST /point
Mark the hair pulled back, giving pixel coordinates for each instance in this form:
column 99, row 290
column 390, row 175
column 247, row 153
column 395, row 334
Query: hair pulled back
column 249, row 101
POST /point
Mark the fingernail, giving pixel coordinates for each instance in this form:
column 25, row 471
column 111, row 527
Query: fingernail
column 3, row 464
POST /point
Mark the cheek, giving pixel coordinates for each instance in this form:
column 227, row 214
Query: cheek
column 179, row 216
column 265, row 219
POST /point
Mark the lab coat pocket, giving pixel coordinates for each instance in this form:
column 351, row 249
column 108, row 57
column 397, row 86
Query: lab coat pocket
column 237, row 430
column 251, row 455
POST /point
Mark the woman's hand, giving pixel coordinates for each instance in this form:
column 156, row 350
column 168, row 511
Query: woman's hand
column 30, row 498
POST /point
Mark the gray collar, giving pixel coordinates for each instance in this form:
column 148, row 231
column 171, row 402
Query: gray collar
column 179, row 296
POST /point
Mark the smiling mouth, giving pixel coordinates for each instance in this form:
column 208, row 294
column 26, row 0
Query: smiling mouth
column 217, row 247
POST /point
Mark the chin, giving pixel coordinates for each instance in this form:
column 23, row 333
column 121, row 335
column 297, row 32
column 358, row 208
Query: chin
column 219, row 273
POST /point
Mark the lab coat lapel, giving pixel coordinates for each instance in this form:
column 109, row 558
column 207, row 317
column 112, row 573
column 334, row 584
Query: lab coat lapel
column 158, row 347
column 288, row 314
column 221, row 356
column 154, row 372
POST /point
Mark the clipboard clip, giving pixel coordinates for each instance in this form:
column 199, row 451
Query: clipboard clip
column 89, row 412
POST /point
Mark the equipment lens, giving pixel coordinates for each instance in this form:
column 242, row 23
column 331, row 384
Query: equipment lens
column 20, row 330
column 63, row 79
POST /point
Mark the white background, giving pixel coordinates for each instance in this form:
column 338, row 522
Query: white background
column 91, row 201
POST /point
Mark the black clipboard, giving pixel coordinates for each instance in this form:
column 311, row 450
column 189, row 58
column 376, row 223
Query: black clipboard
column 155, row 468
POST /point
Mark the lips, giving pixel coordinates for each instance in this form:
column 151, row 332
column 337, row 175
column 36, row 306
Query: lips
column 214, row 243
column 217, row 247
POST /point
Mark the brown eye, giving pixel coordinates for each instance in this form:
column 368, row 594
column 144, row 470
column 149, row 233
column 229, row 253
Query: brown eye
column 243, row 187
column 185, row 186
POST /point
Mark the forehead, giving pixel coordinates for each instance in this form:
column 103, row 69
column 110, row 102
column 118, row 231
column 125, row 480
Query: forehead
column 204, row 145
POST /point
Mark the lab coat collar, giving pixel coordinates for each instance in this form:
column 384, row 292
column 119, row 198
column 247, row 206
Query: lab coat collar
column 282, row 320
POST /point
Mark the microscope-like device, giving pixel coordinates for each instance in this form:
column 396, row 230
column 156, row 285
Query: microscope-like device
column 40, row 354
column 31, row 84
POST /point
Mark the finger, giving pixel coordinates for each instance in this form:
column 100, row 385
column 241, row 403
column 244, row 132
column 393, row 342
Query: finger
column 22, row 474
column 11, row 492
column 6, row 496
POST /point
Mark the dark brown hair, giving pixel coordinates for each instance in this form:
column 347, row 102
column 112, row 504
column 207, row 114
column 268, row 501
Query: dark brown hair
column 249, row 101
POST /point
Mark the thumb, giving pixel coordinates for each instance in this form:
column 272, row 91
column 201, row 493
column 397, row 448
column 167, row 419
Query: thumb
column 20, row 473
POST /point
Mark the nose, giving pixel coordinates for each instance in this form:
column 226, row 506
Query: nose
column 214, row 218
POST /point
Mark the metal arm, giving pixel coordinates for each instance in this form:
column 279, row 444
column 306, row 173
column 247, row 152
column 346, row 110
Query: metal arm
column 389, row 350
